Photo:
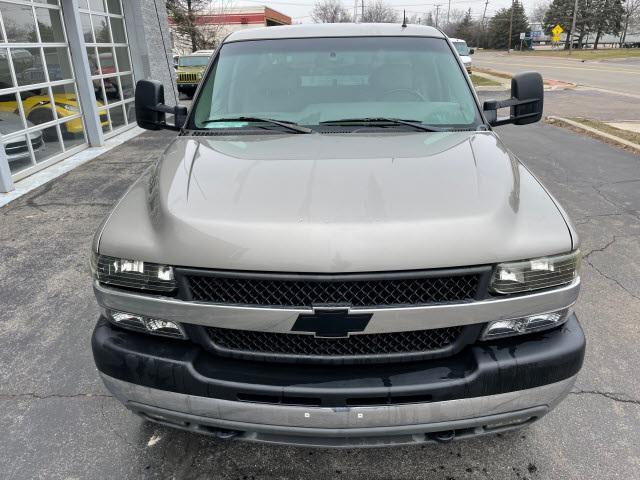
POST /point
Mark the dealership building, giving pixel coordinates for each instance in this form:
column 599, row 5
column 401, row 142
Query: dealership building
column 228, row 20
column 67, row 76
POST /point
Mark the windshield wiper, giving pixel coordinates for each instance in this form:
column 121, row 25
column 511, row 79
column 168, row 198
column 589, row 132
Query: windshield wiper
column 397, row 121
column 294, row 127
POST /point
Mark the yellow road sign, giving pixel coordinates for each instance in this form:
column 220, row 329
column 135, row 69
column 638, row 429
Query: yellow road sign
column 555, row 38
column 557, row 30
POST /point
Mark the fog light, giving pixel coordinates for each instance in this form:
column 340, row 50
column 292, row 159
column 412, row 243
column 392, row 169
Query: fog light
column 519, row 326
column 164, row 328
column 128, row 320
column 154, row 326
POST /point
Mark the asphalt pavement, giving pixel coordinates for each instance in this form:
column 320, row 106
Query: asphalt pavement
column 619, row 75
column 58, row 421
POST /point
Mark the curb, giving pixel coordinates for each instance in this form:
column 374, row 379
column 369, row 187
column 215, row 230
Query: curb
column 549, row 84
column 595, row 131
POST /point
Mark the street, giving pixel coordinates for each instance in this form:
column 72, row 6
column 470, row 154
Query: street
column 620, row 76
column 58, row 421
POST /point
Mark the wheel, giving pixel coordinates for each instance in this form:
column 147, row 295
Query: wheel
column 44, row 115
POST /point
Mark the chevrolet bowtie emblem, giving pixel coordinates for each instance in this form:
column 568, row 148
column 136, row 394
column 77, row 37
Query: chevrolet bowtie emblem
column 331, row 322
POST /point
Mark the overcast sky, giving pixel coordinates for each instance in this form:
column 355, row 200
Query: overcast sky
column 300, row 10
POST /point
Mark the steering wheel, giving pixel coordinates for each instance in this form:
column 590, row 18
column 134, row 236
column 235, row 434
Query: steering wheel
column 404, row 90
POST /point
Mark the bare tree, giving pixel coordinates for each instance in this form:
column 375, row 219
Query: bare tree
column 455, row 18
column 377, row 11
column 539, row 11
column 631, row 12
column 199, row 23
column 330, row 11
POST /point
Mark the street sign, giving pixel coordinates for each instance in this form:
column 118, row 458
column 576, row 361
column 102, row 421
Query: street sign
column 523, row 36
column 555, row 32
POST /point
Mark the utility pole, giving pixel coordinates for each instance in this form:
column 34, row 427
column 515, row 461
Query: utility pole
column 437, row 12
column 573, row 26
column 448, row 12
column 510, row 27
column 362, row 14
column 481, row 33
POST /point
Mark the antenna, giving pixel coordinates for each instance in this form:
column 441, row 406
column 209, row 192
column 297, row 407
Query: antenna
column 404, row 19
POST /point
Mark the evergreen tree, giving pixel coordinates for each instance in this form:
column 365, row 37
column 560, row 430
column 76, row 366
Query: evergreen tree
column 560, row 12
column 498, row 31
column 465, row 29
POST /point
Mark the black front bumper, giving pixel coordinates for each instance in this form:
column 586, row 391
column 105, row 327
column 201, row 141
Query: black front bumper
column 482, row 369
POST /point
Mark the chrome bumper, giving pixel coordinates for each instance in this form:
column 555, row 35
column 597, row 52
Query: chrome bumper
column 383, row 320
column 344, row 426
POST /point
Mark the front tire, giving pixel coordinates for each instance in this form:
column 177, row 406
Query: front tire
column 42, row 115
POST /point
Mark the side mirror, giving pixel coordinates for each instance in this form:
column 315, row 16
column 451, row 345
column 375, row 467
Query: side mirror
column 151, row 110
column 471, row 51
column 526, row 102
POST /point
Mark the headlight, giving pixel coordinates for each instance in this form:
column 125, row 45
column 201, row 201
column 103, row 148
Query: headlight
column 71, row 108
column 535, row 274
column 134, row 274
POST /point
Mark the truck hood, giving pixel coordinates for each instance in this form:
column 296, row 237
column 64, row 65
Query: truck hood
column 335, row 203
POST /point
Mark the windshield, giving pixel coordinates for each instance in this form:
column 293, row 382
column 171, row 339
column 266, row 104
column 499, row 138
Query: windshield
column 319, row 80
column 196, row 61
column 462, row 48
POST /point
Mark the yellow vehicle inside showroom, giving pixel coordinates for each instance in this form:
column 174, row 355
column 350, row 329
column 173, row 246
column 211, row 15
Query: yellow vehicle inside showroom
column 38, row 109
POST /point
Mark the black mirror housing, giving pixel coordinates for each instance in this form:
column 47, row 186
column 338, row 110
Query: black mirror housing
column 471, row 51
column 151, row 110
column 527, row 87
column 526, row 102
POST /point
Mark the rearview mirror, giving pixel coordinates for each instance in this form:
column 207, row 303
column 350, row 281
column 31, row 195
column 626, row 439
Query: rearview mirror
column 151, row 110
column 471, row 51
column 526, row 102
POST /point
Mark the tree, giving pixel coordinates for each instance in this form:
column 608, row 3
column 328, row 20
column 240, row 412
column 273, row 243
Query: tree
column 429, row 20
column 560, row 12
column 455, row 17
column 377, row 11
column 330, row 11
column 607, row 18
column 539, row 11
column 498, row 31
column 186, row 15
column 466, row 29
column 631, row 12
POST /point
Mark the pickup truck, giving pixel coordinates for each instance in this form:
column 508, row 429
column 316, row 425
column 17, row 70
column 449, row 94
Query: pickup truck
column 338, row 250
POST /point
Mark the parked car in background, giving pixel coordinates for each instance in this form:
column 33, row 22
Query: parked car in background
column 337, row 249
column 190, row 70
column 16, row 148
column 464, row 51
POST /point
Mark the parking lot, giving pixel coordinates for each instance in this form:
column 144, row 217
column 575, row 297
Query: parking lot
column 59, row 422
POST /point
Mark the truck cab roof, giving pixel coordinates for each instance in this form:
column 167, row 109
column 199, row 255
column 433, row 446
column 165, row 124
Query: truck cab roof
column 335, row 30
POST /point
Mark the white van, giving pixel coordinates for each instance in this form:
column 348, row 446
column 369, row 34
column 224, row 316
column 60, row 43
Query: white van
column 464, row 52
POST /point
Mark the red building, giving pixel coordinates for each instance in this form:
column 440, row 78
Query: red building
column 229, row 20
